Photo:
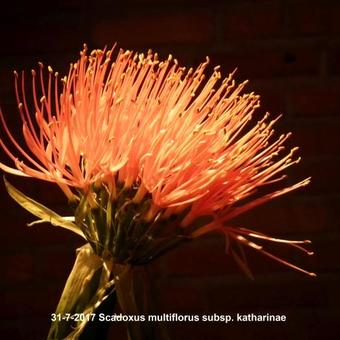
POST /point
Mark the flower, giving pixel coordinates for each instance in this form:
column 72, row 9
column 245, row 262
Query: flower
column 151, row 131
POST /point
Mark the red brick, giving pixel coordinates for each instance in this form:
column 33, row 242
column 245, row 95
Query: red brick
column 58, row 36
column 334, row 14
column 56, row 264
column 233, row 293
column 333, row 66
column 272, row 98
column 318, row 139
column 51, row 195
column 252, row 21
column 181, row 296
column 289, row 215
column 29, row 300
column 156, row 29
column 17, row 268
column 318, row 101
column 41, row 8
column 204, row 256
column 308, row 18
column 269, row 63
column 117, row 331
column 172, row 2
column 24, row 329
column 221, row 331
column 327, row 250
column 324, row 173
column 6, row 82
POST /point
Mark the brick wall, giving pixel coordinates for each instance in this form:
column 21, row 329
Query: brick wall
column 290, row 52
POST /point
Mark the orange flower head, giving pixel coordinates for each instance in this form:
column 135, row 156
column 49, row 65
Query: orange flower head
column 153, row 135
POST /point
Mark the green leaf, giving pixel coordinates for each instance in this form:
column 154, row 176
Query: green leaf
column 45, row 214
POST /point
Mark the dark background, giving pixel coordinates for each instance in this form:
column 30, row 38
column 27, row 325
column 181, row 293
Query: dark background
column 289, row 50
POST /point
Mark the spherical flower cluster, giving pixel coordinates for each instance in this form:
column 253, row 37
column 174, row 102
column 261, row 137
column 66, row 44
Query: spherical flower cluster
column 185, row 144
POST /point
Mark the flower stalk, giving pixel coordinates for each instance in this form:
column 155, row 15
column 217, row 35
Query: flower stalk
column 87, row 286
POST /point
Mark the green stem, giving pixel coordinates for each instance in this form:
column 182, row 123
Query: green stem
column 87, row 286
column 133, row 296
